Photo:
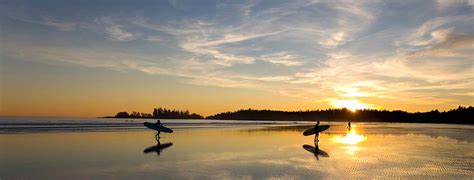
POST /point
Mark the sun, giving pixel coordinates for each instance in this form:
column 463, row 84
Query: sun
column 352, row 105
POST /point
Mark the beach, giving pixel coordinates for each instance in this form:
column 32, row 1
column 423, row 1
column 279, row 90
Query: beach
column 209, row 149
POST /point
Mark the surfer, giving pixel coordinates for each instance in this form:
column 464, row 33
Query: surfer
column 349, row 126
column 158, row 124
column 316, row 134
column 158, row 127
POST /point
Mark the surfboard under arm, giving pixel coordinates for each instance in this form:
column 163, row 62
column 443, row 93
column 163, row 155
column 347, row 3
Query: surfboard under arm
column 312, row 131
column 157, row 128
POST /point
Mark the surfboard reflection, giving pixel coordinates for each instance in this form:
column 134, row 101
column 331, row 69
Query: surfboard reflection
column 316, row 151
column 158, row 148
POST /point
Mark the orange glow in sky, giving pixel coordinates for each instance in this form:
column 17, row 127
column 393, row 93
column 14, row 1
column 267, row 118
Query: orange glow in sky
column 352, row 105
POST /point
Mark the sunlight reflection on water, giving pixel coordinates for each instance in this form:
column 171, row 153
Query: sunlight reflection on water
column 350, row 138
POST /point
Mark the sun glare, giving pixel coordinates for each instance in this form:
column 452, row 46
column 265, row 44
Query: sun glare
column 350, row 138
column 352, row 105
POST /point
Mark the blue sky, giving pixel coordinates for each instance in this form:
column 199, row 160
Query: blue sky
column 412, row 55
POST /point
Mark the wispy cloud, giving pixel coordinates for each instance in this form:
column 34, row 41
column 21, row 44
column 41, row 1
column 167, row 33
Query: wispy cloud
column 207, row 40
column 154, row 39
column 446, row 5
column 284, row 58
column 114, row 31
column 61, row 25
column 435, row 31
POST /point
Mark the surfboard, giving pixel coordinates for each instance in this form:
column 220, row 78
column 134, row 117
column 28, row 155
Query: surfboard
column 312, row 131
column 157, row 148
column 157, row 128
column 315, row 151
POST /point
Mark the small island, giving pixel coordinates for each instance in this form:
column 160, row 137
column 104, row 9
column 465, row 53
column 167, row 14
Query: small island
column 159, row 113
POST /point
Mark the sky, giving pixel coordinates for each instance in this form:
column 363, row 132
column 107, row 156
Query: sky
column 96, row 58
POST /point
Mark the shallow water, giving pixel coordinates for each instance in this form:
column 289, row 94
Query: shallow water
column 29, row 125
column 252, row 151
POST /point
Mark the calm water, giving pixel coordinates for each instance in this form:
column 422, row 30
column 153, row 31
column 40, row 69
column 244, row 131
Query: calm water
column 228, row 149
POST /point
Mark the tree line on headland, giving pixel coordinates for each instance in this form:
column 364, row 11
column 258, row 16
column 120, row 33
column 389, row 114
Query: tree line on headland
column 159, row 113
column 460, row 115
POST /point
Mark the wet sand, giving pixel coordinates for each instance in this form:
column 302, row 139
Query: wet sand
column 243, row 152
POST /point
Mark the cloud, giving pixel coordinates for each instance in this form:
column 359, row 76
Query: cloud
column 445, row 5
column 61, row 25
column 117, row 34
column 154, row 39
column 212, row 39
column 85, row 56
column 351, row 18
column 449, row 60
column 114, row 31
column 284, row 58
column 209, row 40
column 429, row 33
column 435, row 31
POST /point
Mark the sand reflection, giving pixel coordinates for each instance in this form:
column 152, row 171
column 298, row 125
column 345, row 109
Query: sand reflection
column 351, row 138
column 242, row 152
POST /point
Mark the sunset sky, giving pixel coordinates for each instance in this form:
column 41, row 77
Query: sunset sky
column 95, row 58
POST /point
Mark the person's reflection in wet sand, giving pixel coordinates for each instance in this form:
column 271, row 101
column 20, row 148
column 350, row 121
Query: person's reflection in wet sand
column 157, row 148
column 315, row 150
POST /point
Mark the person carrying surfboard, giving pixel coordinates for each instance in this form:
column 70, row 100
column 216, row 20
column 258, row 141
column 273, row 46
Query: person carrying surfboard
column 316, row 134
column 315, row 130
column 158, row 127
column 158, row 124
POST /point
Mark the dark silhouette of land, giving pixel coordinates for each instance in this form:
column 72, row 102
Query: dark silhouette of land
column 159, row 113
column 460, row 115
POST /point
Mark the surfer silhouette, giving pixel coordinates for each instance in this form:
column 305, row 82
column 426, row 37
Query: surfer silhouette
column 349, row 125
column 158, row 127
column 158, row 124
column 316, row 134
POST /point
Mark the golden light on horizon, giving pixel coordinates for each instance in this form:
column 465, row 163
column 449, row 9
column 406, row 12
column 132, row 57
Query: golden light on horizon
column 350, row 138
column 352, row 105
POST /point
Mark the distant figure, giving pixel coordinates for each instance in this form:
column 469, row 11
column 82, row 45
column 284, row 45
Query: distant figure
column 316, row 134
column 349, row 126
